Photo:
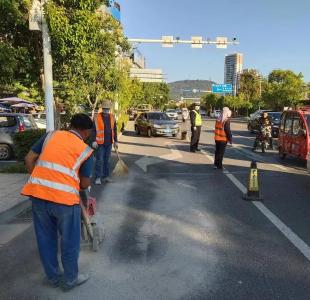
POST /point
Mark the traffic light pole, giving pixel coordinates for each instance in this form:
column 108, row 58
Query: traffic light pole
column 196, row 41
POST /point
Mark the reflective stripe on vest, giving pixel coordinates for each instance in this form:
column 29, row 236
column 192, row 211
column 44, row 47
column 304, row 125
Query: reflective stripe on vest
column 82, row 157
column 198, row 120
column 100, row 128
column 58, row 168
column 55, row 176
column 54, row 185
column 220, row 134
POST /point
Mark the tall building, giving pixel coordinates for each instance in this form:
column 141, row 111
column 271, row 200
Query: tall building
column 233, row 69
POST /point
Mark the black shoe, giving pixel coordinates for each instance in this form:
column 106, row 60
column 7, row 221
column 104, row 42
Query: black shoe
column 192, row 150
column 199, row 150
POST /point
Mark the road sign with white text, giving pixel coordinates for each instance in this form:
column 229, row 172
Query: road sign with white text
column 222, row 88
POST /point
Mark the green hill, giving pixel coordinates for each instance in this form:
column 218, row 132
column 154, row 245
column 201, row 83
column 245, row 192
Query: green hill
column 189, row 88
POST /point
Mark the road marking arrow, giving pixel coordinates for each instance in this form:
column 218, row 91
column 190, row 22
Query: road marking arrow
column 146, row 161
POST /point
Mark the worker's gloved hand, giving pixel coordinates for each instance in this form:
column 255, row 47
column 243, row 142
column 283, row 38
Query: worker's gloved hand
column 94, row 145
column 115, row 145
column 195, row 128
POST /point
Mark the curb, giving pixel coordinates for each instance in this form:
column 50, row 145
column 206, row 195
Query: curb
column 15, row 210
column 9, row 214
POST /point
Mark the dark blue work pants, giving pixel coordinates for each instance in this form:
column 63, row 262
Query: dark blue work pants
column 50, row 221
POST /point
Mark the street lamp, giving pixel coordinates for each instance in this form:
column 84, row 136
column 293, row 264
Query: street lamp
column 37, row 22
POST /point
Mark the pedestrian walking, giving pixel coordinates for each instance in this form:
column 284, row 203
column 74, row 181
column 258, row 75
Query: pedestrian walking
column 60, row 163
column 196, row 122
column 104, row 136
column 184, row 114
column 222, row 135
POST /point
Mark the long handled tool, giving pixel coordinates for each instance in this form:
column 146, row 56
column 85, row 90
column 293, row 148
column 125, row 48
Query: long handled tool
column 92, row 223
column 121, row 168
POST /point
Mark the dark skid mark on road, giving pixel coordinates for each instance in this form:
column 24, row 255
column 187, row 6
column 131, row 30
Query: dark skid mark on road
column 130, row 244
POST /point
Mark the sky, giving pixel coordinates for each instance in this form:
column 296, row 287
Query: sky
column 273, row 34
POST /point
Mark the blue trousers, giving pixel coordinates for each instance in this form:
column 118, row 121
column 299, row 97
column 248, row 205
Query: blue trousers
column 103, row 160
column 50, row 221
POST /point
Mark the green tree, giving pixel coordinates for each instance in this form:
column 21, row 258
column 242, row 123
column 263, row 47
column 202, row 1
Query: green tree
column 86, row 44
column 20, row 50
column 285, row 88
column 211, row 101
column 156, row 94
column 250, row 89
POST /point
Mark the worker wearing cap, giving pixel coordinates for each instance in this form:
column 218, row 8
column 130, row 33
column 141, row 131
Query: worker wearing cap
column 196, row 122
column 105, row 136
column 60, row 163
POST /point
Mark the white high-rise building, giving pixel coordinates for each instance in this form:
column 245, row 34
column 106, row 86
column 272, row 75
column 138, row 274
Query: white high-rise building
column 233, row 69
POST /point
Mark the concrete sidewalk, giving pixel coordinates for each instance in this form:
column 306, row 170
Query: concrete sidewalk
column 10, row 198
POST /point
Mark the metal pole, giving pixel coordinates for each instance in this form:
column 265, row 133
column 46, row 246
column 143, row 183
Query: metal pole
column 48, row 75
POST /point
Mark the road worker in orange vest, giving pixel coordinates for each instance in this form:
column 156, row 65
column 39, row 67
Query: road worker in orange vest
column 222, row 135
column 60, row 164
column 105, row 136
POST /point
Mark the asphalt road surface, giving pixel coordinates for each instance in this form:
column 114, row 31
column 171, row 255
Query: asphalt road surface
column 178, row 229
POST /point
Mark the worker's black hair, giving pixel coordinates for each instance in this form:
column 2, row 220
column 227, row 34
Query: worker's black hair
column 81, row 122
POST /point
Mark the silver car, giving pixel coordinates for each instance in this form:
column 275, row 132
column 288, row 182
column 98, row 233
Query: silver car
column 156, row 123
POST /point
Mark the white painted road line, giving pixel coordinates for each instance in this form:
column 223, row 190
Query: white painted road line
column 187, row 185
column 285, row 230
column 146, row 161
column 257, row 157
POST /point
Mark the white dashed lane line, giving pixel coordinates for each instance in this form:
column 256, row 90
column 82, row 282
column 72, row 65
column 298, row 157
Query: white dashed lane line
column 284, row 229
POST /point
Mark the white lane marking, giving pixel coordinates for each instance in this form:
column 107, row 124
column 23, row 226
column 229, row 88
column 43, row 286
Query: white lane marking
column 187, row 185
column 288, row 233
column 207, row 155
column 145, row 161
column 257, row 157
column 285, row 230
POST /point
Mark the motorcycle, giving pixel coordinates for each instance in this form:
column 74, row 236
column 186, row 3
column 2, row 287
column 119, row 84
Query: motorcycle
column 262, row 138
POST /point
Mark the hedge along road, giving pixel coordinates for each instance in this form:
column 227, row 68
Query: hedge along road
column 180, row 230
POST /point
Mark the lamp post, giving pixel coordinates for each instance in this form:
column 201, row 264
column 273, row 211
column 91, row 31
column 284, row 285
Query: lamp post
column 37, row 22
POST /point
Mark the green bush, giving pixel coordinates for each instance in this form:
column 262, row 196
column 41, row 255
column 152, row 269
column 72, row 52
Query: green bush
column 23, row 142
column 14, row 169
column 123, row 118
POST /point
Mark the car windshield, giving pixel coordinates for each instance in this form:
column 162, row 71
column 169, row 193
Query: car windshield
column 156, row 116
column 171, row 110
column 307, row 118
column 275, row 115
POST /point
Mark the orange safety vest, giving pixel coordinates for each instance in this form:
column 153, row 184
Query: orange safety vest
column 100, row 128
column 220, row 134
column 55, row 176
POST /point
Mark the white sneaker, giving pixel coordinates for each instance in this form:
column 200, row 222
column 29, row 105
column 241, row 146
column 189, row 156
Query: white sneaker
column 98, row 181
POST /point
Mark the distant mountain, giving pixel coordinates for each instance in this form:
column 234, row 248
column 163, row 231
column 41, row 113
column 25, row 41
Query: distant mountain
column 189, row 88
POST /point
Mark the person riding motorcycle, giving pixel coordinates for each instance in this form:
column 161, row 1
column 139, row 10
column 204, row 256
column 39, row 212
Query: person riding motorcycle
column 265, row 131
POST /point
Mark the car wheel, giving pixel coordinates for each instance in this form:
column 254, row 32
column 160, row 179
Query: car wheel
column 149, row 132
column 137, row 130
column 282, row 155
column 174, row 135
column 5, row 152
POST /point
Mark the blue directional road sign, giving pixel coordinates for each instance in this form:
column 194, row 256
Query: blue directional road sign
column 221, row 88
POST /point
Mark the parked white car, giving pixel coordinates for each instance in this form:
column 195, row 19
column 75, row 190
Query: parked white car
column 172, row 114
column 215, row 114
column 40, row 119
